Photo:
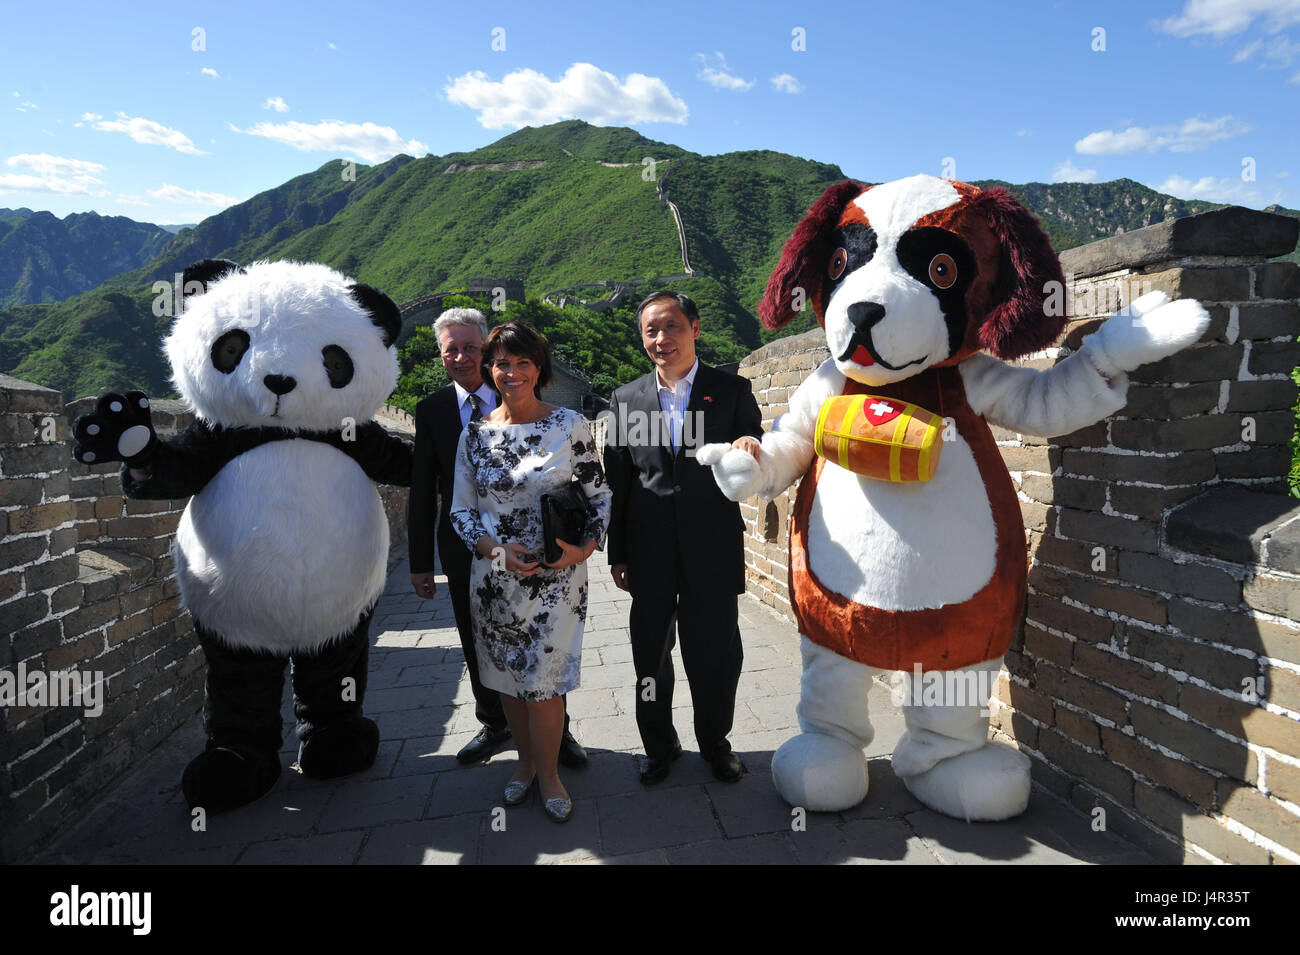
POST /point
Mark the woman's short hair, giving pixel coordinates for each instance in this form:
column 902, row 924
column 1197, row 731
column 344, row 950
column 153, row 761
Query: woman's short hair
column 523, row 341
column 460, row 316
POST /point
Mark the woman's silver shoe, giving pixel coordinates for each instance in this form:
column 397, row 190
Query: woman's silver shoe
column 516, row 791
column 559, row 808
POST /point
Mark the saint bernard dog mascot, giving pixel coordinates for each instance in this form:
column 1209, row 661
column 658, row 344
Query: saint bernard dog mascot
column 907, row 546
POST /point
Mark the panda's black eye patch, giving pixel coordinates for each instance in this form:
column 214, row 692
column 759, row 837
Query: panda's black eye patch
column 338, row 365
column 229, row 349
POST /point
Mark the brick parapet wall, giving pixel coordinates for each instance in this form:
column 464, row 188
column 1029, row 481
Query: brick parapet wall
column 1157, row 676
column 775, row 371
column 88, row 586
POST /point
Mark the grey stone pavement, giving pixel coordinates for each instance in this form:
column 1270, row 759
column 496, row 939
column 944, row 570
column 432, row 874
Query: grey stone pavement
column 417, row 805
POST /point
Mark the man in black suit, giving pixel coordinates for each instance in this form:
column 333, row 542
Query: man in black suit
column 439, row 420
column 675, row 542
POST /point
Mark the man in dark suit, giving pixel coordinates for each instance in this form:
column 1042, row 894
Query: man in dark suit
column 675, row 542
column 439, row 420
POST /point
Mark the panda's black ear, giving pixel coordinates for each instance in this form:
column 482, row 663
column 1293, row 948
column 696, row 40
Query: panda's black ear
column 381, row 310
column 205, row 273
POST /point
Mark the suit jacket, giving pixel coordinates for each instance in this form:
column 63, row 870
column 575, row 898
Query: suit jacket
column 433, row 481
column 668, row 513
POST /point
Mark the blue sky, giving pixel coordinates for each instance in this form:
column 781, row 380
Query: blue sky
column 168, row 114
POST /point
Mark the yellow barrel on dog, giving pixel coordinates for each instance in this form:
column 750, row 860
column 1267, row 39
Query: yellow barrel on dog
column 882, row 438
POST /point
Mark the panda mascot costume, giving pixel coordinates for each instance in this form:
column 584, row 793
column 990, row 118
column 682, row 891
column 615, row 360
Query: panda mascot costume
column 281, row 553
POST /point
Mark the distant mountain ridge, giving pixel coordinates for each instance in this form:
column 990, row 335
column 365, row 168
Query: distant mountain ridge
column 556, row 207
column 1076, row 213
column 47, row 259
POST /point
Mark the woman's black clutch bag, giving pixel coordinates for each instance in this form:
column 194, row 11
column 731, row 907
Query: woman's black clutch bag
column 564, row 515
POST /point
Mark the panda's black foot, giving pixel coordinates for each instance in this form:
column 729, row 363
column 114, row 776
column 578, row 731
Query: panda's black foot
column 221, row 779
column 340, row 748
column 119, row 429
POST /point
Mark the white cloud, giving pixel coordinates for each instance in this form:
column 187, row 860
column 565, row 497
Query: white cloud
column 1023, row 133
column 1247, row 51
column 714, row 71
column 209, row 71
column 1278, row 52
column 20, row 182
column 145, row 131
column 1230, row 190
column 371, row 142
column 24, row 106
column 331, row 46
column 55, row 174
column 130, row 201
column 1223, row 18
column 45, row 164
column 169, row 193
column 1185, row 188
column 1068, row 172
column 528, row 98
column 785, row 83
column 277, row 104
column 1190, row 134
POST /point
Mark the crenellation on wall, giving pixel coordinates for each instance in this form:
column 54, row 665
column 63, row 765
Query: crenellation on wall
column 1187, row 698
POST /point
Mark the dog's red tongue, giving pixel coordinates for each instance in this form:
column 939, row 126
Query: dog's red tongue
column 863, row 357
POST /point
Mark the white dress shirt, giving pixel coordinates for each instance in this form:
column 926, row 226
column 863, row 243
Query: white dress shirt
column 487, row 401
column 673, row 402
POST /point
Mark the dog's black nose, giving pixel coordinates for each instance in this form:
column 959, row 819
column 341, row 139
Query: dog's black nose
column 280, row 384
column 862, row 315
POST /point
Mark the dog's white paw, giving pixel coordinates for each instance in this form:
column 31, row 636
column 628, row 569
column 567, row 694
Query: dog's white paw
column 711, row 454
column 737, row 473
column 819, row 772
column 985, row 785
column 1150, row 329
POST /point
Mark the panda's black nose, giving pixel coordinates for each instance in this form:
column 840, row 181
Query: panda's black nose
column 280, row 384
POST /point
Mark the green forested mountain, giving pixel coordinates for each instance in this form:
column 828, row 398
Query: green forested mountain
column 428, row 229
column 580, row 140
column 556, row 207
column 47, row 259
column 252, row 229
column 1075, row 213
column 738, row 210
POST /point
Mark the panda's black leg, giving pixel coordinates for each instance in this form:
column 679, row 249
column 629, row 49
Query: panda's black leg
column 241, row 715
column 329, row 687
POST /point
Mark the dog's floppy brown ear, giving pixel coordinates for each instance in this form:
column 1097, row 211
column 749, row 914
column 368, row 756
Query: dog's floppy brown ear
column 1017, row 322
column 803, row 260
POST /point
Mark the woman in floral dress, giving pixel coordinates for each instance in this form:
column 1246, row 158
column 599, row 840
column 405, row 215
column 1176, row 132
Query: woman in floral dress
column 528, row 615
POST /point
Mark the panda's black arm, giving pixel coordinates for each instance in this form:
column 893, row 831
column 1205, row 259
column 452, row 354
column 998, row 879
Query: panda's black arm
column 385, row 458
column 181, row 467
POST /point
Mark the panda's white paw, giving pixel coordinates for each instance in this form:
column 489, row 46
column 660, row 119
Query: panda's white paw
column 983, row 785
column 819, row 772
